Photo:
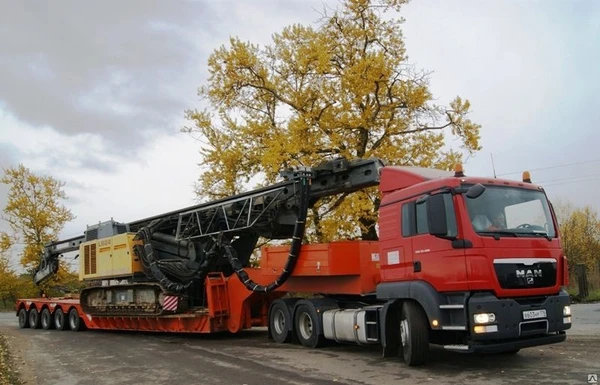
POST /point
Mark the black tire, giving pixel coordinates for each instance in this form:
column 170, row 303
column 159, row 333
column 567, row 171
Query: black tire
column 47, row 319
column 60, row 319
column 280, row 320
column 34, row 318
column 75, row 323
column 306, row 324
column 23, row 318
column 414, row 334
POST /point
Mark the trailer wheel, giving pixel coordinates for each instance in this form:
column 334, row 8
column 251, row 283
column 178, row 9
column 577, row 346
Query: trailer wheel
column 280, row 320
column 34, row 319
column 23, row 318
column 414, row 334
column 47, row 319
column 307, row 326
column 59, row 319
column 75, row 323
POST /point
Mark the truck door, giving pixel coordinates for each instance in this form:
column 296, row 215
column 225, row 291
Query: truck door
column 395, row 248
column 435, row 259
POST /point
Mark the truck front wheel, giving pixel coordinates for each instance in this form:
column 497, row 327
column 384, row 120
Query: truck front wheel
column 414, row 334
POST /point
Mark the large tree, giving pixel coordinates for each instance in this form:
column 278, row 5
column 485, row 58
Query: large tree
column 342, row 88
column 36, row 216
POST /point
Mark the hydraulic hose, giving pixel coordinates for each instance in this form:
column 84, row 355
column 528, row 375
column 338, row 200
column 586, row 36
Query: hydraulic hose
column 149, row 260
column 156, row 268
column 298, row 235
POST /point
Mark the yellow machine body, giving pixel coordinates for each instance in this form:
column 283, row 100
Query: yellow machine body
column 110, row 257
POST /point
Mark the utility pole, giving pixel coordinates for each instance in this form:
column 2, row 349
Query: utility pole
column 493, row 167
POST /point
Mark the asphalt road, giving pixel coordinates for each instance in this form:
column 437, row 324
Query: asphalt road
column 95, row 357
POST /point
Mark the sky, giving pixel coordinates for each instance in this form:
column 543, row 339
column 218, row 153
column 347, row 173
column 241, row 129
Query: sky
column 94, row 93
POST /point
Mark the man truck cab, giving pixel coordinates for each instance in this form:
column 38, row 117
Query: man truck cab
column 483, row 288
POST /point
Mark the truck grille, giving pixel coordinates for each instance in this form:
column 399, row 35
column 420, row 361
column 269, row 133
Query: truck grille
column 525, row 273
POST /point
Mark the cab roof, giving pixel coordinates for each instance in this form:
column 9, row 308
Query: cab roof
column 394, row 178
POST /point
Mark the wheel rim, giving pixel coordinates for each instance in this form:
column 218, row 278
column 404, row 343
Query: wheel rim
column 279, row 322
column 58, row 320
column 45, row 319
column 404, row 333
column 305, row 325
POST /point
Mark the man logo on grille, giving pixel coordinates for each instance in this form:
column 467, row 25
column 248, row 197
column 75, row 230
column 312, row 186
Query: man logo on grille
column 529, row 275
column 592, row 378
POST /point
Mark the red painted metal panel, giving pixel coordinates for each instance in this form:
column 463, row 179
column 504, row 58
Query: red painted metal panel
column 344, row 267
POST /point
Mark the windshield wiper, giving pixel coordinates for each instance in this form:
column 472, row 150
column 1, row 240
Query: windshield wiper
column 498, row 233
column 541, row 234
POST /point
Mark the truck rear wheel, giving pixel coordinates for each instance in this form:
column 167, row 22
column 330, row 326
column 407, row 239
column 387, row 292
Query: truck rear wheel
column 34, row 319
column 414, row 334
column 280, row 320
column 75, row 323
column 47, row 321
column 23, row 318
column 59, row 319
column 306, row 324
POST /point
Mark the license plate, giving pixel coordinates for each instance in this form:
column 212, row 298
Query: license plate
column 532, row 314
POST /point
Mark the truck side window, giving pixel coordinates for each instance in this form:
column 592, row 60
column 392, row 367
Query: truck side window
column 414, row 218
column 422, row 227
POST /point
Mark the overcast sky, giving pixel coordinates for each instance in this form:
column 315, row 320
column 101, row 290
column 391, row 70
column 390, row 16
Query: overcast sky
column 94, row 93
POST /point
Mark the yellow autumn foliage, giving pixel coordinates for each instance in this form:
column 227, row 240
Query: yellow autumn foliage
column 580, row 234
column 343, row 88
column 36, row 216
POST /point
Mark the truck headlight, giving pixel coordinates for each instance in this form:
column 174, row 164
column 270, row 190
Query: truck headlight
column 567, row 310
column 484, row 318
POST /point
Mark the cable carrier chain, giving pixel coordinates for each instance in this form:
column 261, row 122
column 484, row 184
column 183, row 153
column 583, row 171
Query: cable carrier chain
column 473, row 264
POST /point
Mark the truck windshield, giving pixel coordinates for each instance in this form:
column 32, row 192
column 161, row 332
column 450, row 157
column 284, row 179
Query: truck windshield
column 511, row 211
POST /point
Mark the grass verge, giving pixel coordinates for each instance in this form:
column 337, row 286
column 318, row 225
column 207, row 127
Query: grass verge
column 8, row 376
column 592, row 298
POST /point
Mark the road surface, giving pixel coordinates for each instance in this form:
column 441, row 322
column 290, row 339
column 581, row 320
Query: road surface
column 95, row 357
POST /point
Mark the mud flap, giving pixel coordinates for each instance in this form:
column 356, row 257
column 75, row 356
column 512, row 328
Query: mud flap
column 390, row 329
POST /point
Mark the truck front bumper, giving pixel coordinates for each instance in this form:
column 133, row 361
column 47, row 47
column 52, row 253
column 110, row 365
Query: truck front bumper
column 505, row 346
column 517, row 323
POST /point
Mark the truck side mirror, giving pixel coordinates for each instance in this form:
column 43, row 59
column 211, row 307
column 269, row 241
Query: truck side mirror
column 437, row 221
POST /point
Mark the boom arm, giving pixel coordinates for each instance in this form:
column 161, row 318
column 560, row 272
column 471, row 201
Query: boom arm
column 270, row 212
